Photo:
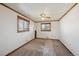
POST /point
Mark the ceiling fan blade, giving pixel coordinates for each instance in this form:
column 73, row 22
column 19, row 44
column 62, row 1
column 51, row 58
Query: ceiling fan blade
column 48, row 17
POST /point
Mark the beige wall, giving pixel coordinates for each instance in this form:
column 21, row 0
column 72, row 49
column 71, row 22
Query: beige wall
column 9, row 38
column 53, row 34
column 70, row 30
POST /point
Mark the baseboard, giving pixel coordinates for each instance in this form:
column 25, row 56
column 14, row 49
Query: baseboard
column 40, row 38
column 68, row 47
column 46, row 38
column 18, row 48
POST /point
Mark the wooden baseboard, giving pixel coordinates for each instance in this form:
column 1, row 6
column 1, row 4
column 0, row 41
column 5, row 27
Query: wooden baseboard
column 18, row 48
column 30, row 41
column 47, row 38
column 66, row 47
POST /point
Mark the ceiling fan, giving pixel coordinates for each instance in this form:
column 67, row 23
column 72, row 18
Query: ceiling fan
column 44, row 16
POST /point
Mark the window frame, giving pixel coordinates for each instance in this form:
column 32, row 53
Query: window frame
column 18, row 20
column 46, row 24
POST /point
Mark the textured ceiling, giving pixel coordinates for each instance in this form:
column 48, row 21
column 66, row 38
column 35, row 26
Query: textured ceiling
column 33, row 10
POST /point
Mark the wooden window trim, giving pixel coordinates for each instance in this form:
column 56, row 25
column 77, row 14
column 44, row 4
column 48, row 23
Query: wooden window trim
column 46, row 23
column 19, row 17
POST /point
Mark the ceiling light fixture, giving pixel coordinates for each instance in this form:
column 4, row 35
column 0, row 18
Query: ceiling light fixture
column 44, row 16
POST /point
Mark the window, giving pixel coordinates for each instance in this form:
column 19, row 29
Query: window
column 22, row 24
column 45, row 26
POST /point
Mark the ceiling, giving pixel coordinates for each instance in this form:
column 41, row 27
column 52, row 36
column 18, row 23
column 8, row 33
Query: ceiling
column 33, row 10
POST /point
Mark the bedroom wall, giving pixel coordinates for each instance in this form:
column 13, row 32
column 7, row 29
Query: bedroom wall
column 69, row 26
column 53, row 34
column 9, row 38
